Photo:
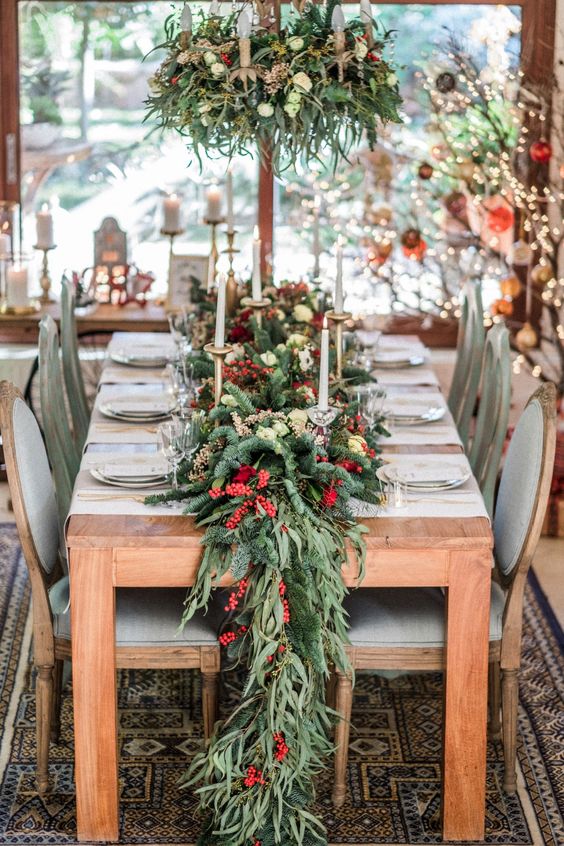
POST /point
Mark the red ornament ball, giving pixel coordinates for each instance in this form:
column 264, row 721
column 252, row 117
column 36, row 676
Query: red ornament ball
column 411, row 238
column 540, row 152
column 500, row 219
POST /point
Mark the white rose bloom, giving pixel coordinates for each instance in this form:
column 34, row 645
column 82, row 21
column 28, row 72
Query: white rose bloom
column 306, row 360
column 360, row 49
column 392, row 79
column 294, row 97
column 265, row 109
column 237, row 352
column 296, row 340
column 302, row 80
column 210, row 58
column 281, row 346
column 295, row 43
column 217, row 69
column 356, row 443
column 280, row 428
column 303, row 313
column 299, row 418
column 269, row 359
column 228, row 400
column 266, row 433
column 280, row 315
column 292, row 109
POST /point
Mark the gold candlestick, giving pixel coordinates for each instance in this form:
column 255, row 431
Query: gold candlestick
column 339, row 318
column 45, row 278
column 218, row 354
column 231, row 288
column 214, row 252
column 257, row 306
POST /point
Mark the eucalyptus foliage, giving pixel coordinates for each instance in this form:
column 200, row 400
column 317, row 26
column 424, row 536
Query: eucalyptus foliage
column 298, row 102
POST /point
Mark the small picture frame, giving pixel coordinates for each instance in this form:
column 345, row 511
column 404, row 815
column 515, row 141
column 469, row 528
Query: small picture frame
column 184, row 269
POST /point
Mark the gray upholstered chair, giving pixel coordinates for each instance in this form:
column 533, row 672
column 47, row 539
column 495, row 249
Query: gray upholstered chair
column 404, row 629
column 74, row 382
column 146, row 619
column 493, row 413
column 468, row 366
column 64, row 456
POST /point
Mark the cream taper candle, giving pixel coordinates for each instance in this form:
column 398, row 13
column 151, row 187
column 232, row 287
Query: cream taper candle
column 220, row 312
column 256, row 291
column 323, row 389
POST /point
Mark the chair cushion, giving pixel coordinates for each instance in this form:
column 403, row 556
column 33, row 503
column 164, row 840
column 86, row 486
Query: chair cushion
column 146, row 617
column 407, row 617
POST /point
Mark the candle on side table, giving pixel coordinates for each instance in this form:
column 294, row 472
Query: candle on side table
column 220, row 313
column 16, row 286
column 323, row 391
column 171, row 213
column 44, row 228
column 256, row 290
column 214, row 201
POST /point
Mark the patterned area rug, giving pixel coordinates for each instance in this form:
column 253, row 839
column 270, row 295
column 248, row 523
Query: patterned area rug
column 394, row 777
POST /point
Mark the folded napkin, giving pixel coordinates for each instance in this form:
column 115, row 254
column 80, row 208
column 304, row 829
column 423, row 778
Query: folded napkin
column 116, row 375
column 407, row 376
column 125, row 465
column 423, row 434
column 131, row 405
column 102, row 431
column 92, row 497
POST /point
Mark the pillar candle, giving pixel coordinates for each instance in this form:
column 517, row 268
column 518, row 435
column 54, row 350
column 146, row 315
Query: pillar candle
column 44, row 227
column 171, row 213
column 16, row 286
column 339, row 279
column 323, row 390
column 5, row 245
column 186, row 19
column 220, row 313
column 214, row 203
column 229, row 189
column 256, row 291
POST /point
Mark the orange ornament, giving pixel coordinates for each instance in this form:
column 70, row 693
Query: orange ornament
column 510, row 287
column 502, row 307
column 500, row 219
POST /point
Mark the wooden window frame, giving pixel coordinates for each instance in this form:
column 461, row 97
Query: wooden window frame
column 537, row 62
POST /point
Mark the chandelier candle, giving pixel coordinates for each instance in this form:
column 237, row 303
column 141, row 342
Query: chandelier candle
column 214, row 201
column 185, row 26
column 171, row 214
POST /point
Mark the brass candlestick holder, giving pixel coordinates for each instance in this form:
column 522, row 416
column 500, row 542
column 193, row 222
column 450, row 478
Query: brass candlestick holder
column 339, row 318
column 214, row 252
column 231, row 288
column 257, row 306
column 218, row 354
column 45, row 278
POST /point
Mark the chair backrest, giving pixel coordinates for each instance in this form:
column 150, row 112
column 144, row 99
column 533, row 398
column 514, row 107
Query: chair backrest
column 525, row 483
column 35, row 508
column 468, row 367
column 71, row 366
column 64, row 457
column 493, row 413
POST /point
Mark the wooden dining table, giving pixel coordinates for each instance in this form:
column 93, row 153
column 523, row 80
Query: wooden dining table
column 149, row 551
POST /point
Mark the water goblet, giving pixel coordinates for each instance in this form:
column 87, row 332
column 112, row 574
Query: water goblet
column 171, row 438
column 370, row 399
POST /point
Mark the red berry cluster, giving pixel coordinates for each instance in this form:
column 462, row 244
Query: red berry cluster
column 350, row 466
column 235, row 596
column 226, row 60
column 229, row 637
column 285, row 603
column 281, row 649
column 329, row 496
column 266, row 504
column 281, row 748
column 253, row 777
column 322, row 458
column 215, row 493
column 373, row 57
column 263, row 477
column 238, row 489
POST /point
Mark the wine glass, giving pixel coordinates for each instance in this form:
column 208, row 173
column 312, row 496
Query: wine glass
column 370, row 399
column 180, row 330
column 181, row 375
column 171, row 438
column 192, row 432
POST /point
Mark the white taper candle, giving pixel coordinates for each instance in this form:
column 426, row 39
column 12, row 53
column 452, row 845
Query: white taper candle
column 323, row 390
column 220, row 312
column 256, row 291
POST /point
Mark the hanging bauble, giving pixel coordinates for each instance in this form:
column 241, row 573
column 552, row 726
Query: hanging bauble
column 541, row 274
column 384, row 249
column 520, row 254
column 502, row 307
column 455, row 203
column 411, row 238
column 445, row 82
column 383, row 214
column 540, row 151
column 425, row 171
column 510, row 286
column 526, row 338
column 500, row 219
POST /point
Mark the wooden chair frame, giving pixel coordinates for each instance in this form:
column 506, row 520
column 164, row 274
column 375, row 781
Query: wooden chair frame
column 504, row 654
column 49, row 651
column 469, row 354
column 71, row 367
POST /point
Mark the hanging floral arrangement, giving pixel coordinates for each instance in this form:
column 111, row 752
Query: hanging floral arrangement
column 314, row 89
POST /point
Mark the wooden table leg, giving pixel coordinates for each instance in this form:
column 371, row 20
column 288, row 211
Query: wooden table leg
column 94, row 694
column 466, row 696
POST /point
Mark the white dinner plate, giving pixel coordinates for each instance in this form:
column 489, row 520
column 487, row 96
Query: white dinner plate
column 446, row 478
column 430, row 415
column 137, row 484
column 133, row 418
column 137, row 360
column 391, row 361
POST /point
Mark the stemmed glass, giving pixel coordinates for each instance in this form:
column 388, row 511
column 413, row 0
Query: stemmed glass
column 181, row 375
column 180, row 330
column 192, row 432
column 370, row 399
column 171, row 437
